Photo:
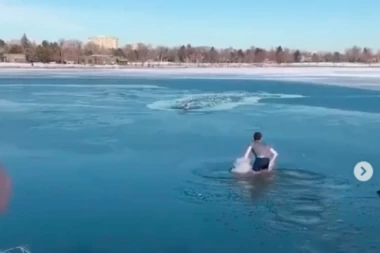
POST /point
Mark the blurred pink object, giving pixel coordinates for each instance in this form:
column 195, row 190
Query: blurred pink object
column 5, row 189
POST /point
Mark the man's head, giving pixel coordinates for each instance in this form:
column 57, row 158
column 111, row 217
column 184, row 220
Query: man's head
column 257, row 136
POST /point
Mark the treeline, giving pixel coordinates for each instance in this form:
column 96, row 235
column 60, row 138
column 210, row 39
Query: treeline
column 75, row 51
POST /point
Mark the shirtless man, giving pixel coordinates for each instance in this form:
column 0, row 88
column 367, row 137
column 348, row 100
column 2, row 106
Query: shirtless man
column 265, row 155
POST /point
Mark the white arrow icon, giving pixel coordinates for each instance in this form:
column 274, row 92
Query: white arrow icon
column 363, row 171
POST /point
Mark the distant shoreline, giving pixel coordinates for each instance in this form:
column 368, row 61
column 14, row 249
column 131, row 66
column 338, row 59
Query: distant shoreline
column 166, row 65
column 354, row 75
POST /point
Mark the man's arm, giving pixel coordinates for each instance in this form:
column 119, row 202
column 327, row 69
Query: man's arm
column 271, row 163
column 248, row 152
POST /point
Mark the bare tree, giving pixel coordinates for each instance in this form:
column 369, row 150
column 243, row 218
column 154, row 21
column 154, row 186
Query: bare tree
column 367, row 55
column 280, row 55
column 353, row 54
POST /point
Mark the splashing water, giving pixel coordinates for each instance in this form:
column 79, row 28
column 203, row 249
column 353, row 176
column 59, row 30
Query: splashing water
column 242, row 165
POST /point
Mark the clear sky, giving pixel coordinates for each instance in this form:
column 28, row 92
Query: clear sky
column 304, row 24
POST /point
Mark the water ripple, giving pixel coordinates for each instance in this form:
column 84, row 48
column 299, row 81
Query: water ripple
column 215, row 101
column 290, row 201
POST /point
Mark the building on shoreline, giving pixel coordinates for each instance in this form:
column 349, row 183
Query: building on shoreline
column 105, row 42
column 13, row 58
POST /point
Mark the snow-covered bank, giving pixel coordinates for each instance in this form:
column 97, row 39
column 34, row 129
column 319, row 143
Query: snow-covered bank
column 170, row 65
column 354, row 75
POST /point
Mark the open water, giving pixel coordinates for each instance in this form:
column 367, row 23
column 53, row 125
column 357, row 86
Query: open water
column 113, row 164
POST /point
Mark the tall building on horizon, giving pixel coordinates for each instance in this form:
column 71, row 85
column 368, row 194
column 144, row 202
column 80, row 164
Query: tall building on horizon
column 105, row 41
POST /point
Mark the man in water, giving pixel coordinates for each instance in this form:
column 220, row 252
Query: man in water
column 265, row 155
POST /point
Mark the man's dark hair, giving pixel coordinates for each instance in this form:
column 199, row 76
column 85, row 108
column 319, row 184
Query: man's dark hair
column 257, row 136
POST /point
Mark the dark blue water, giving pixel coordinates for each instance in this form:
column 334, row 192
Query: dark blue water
column 112, row 164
